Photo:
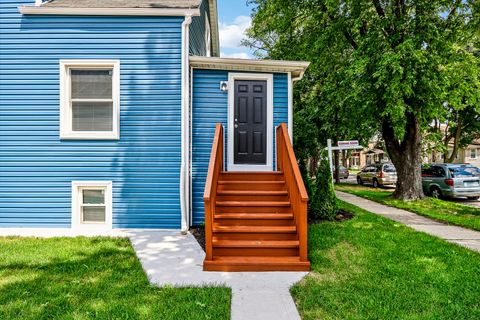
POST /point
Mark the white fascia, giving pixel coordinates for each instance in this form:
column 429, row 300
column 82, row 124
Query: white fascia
column 185, row 165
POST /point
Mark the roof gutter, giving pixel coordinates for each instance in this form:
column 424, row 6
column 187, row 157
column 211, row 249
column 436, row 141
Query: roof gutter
column 37, row 9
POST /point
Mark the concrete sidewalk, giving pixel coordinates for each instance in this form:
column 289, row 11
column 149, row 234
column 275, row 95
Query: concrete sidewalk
column 464, row 237
column 171, row 258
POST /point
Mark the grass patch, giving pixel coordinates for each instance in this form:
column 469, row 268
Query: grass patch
column 85, row 278
column 373, row 268
column 441, row 210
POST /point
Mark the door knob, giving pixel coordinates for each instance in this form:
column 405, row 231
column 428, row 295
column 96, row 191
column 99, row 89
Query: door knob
column 236, row 126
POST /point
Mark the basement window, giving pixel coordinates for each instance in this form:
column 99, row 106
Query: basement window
column 91, row 204
column 89, row 99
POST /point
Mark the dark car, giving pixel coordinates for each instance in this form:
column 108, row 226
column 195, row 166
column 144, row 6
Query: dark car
column 343, row 172
column 451, row 180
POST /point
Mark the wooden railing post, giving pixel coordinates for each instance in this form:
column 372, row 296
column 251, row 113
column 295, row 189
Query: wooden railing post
column 287, row 162
column 215, row 166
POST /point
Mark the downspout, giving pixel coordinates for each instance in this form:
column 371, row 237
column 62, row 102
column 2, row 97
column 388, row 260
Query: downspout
column 184, row 172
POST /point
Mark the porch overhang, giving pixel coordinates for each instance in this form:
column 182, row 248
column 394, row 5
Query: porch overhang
column 296, row 68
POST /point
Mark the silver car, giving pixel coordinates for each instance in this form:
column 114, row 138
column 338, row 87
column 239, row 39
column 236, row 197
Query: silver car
column 451, row 181
column 378, row 175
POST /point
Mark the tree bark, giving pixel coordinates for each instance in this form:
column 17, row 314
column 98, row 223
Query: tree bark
column 406, row 157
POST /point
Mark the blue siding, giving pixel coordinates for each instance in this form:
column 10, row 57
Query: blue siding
column 36, row 167
column 210, row 105
column 197, row 31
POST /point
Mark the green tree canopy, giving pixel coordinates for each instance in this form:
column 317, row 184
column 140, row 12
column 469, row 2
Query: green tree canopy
column 384, row 66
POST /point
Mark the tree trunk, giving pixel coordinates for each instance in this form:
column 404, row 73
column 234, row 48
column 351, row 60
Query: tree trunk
column 337, row 164
column 406, row 157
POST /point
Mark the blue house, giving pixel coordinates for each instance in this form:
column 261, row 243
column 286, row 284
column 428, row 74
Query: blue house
column 108, row 113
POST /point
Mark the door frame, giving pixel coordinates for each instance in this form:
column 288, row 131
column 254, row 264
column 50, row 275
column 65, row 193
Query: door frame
column 268, row 166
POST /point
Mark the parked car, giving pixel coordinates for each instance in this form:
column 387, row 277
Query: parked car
column 343, row 172
column 451, row 181
column 378, row 175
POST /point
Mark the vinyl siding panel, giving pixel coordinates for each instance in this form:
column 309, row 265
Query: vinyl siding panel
column 37, row 168
column 197, row 31
column 209, row 106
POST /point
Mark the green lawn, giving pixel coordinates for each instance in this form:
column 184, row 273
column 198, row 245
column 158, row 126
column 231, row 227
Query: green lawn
column 86, row 278
column 373, row 268
column 441, row 210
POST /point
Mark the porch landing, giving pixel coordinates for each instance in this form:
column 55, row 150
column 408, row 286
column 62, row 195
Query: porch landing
column 170, row 258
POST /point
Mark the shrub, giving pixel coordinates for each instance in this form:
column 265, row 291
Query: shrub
column 323, row 202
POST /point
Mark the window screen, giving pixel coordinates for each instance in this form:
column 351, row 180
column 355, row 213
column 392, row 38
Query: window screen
column 93, row 205
column 91, row 99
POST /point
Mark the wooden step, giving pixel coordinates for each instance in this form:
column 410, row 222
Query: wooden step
column 258, row 248
column 251, row 176
column 253, row 204
column 255, row 243
column 255, row 216
column 251, row 185
column 252, row 193
column 233, row 263
column 254, row 229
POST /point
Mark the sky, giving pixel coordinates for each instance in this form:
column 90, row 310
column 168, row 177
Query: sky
column 234, row 19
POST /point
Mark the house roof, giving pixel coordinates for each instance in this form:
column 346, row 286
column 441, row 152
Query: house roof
column 184, row 4
column 297, row 68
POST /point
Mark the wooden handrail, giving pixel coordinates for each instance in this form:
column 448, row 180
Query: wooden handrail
column 215, row 166
column 287, row 162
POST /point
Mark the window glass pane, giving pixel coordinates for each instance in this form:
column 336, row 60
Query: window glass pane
column 93, row 214
column 91, row 84
column 93, row 196
column 92, row 116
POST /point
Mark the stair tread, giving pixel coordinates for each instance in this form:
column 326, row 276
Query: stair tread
column 251, row 182
column 255, row 229
column 253, row 216
column 251, row 173
column 256, row 243
column 253, row 203
column 253, row 193
column 242, row 260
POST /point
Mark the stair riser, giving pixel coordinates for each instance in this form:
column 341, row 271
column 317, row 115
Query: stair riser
column 255, row 222
column 252, row 197
column 251, row 177
column 223, row 209
column 253, row 187
column 255, row 236
column 256, row 252
column 207, row 266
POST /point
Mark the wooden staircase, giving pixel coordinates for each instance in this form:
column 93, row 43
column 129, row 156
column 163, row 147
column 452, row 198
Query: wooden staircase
column 255, row 221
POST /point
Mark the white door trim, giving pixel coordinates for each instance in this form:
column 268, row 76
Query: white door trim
column 268, row 166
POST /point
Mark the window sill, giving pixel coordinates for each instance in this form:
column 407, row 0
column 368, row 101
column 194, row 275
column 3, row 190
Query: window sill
column 90, row 136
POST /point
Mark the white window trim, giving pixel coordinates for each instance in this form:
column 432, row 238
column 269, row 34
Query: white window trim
column 231, row 100
column 66, row 131
column 77, row 224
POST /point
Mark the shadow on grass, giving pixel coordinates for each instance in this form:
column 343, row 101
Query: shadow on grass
column 93, row 278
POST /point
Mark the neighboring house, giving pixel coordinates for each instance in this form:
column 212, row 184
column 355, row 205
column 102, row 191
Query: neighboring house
column 107, row 118
column 470, row 154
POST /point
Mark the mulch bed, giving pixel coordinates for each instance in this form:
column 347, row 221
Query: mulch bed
column 199, row 233
column 342, row 215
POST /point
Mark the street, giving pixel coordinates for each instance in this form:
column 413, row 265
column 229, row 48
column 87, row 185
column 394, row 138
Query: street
column 352, row 179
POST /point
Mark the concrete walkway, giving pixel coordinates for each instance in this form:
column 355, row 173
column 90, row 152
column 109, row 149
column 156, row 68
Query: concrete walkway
column 464, row 237
column 170, row 258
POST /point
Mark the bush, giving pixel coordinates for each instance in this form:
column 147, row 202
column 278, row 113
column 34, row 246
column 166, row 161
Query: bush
column 323, row 202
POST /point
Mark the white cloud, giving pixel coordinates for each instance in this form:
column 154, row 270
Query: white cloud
column 238, row 55
column 231, row 35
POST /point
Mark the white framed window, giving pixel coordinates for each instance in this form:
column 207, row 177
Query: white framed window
column 473, row 153
column 90, row 99
column 92, row 204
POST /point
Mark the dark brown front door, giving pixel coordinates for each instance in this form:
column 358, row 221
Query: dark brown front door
column 250, row 122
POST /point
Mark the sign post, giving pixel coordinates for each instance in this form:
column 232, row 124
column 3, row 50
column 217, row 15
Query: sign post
column 342, row 145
